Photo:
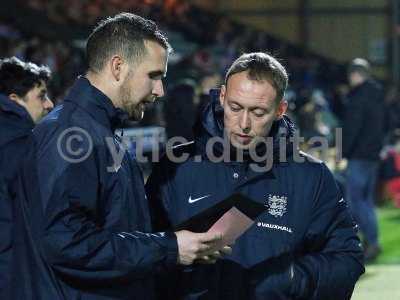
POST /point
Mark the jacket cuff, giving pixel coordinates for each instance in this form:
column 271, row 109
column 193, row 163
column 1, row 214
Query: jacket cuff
column 299, row 282
column 171, row 244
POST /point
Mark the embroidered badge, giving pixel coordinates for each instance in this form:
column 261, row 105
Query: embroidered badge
column 277, row 205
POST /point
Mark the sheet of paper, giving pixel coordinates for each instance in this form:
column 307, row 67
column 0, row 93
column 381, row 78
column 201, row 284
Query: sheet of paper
column 231, row 225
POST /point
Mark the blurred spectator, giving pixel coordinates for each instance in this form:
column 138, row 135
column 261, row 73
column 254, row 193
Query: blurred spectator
column 392, row 117
column 389, row 173
column 338, row 100
column 208, row 82
column 393, row 184
column 390, row 169
column 23, row 102
column 180, row 110
column 363, row 131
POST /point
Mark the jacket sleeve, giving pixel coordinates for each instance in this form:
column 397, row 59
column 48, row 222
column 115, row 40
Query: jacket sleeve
column 10, row 156
column 352, row 123
column 335, row 260
column 158, row 197
column 79, row 238
column 5, row 233
column 157, row 194
column 330, row 261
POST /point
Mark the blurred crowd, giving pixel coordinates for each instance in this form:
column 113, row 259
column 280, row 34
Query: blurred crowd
column 65, row 61
column 175, row 14
column 317, row 89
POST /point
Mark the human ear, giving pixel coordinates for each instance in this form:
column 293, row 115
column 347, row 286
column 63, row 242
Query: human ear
column 116, row 66
column 282, row 108
column 222, row 95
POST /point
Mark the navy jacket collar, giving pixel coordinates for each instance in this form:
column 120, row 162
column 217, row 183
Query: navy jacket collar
column 9, row 106
column 15, row 121
column 96, row 103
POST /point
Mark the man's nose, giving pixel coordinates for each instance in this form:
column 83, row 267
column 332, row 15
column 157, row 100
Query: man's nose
column 48, row 104
column 158, row 88
column 245, row 122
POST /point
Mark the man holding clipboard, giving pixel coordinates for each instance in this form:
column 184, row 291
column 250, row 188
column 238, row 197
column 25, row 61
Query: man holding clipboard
column 302, row 245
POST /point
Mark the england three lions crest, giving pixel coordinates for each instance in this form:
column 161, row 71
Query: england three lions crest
column 277, row 205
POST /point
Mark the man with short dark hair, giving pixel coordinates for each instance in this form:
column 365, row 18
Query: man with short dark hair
column 23, row 102
column 304, row 245
column 83, row 222
column 25, row 84
column 363, row 134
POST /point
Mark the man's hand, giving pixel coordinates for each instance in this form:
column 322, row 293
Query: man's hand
column 212, row 258
column 192, row 246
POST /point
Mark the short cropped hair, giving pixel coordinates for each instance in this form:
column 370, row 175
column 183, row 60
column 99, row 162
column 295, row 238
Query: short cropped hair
column 360, row 66
column 123, row 34
column 20, row 77
column 261, row 66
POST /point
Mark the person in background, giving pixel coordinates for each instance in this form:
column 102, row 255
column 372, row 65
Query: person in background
column 23, row 102
column 363, row 134
column 180, row 110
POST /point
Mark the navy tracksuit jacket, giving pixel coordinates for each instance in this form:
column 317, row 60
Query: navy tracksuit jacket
column 15, row 126
column 302, row 247
column 80, row 227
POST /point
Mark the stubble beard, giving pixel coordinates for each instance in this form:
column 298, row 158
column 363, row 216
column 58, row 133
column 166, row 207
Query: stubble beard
column 135, row 110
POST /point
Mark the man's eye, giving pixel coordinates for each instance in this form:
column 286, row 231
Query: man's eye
column 235, row 108
column 156, row 77
column 259, row 112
